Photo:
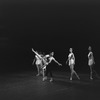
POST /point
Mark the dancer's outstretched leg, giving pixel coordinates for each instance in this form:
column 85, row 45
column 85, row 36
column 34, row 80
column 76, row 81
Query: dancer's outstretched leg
column 73, row 72
column 76, row 74
column 96, row 74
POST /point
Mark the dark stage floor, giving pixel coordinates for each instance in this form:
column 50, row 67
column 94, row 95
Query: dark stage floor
column 26, row 86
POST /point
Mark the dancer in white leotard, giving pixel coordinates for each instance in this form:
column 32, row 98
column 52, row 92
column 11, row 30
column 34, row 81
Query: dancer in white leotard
column 71, row 59
column 91, row 63
column 38, row 63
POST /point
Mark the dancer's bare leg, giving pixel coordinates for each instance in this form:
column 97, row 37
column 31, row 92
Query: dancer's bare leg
column 96, row 74
column 38, row 70
column 44, row 77
column 91, row 73
column 76, row 74
column 71, row 75
column 71, row 72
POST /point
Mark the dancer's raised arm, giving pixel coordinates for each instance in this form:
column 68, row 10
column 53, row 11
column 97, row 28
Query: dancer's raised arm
column 37, row 54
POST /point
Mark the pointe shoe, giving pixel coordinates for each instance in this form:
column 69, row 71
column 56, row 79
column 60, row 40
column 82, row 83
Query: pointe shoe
column 51, row 79
column 37, row 74
column 91, row 78
column 70, row 79
column 44, row 78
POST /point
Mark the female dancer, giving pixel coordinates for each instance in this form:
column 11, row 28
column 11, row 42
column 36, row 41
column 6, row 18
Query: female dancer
column 91, row 62
column 38, row 63
column 71, row 59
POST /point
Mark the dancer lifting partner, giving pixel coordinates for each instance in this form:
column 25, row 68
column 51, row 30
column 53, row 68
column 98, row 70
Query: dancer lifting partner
column 50, row 58
column 71, row 59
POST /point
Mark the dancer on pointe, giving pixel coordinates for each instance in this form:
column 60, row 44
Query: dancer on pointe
column 71, row 59
column 50, row 58
column 91, row 63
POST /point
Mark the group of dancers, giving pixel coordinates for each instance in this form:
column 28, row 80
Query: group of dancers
column 43, row 63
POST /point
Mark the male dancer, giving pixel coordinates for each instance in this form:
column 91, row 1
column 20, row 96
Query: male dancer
column 50, row 58
column 71, row 59
column 91, row 63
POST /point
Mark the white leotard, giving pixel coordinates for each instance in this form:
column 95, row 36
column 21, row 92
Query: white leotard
column 71, row 59
column 38, row 61
column 90, row 57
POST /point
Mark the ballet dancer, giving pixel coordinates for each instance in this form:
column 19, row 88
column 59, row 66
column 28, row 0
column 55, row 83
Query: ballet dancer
column 71, row 59
column 38, row 63
column 50, row 58
column 91, row 63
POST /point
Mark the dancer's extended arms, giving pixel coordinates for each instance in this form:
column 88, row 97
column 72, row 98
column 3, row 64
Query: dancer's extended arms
column 57, row 62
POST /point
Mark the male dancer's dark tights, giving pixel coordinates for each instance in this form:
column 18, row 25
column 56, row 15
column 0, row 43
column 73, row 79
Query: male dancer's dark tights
column 48, row 71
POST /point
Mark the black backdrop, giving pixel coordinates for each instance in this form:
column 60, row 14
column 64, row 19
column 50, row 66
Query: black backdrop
column 48, row 26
